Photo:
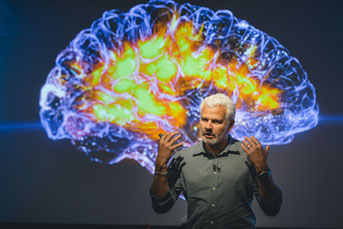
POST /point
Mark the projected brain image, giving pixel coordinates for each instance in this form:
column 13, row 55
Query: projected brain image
column 133, row 75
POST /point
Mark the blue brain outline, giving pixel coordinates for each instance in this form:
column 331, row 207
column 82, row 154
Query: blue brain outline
column 232, row 36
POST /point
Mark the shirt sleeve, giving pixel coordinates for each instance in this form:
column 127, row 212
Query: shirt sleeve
column 166, row 202
column 272, row 204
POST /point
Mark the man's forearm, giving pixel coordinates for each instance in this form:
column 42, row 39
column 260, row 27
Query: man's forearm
column 160, row 187
column 269, row 195
column 269, row 199
column 265, row 187
column 163, row 191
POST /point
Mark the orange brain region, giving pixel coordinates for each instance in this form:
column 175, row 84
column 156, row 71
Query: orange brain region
column 133, row 75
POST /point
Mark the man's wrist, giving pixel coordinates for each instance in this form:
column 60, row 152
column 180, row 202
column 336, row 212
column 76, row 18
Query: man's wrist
column 264, row 175
column 161, row 167
column 161, row 173
column 261, row 168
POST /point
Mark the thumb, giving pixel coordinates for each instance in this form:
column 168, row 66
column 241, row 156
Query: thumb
column 267, row 149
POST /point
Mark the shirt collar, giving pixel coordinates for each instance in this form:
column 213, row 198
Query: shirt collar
column 224, row 153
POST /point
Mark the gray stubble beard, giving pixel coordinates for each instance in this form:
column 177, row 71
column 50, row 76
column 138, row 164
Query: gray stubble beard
column 216, row 140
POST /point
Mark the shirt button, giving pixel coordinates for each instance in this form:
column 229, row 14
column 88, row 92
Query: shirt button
column 211, row 222
column 214, row 188
column 213, row 205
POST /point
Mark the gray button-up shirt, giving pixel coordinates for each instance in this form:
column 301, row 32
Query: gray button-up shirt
column 219, row 189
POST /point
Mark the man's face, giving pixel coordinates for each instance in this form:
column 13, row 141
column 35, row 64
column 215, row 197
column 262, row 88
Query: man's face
column 213, row 125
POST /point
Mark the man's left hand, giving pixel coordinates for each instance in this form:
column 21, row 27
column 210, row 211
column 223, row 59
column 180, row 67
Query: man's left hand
column 256, row 153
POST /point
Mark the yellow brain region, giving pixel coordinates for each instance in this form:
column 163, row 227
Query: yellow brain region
column 152, row 74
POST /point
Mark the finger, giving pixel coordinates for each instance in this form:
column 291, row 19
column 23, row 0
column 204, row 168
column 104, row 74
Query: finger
column 165, row 137
column 246, row 143
column 173, row 140
column 245, row 149
column 256, row 141
column 251, row 142
column 170, row 135
column 267, row 149
column 247, row 146
column 177, row 145
column 162, row 138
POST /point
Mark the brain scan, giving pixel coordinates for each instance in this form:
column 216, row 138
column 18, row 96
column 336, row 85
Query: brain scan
column 135, row 74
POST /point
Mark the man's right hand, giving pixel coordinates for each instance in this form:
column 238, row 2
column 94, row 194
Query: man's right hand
column 166, row 147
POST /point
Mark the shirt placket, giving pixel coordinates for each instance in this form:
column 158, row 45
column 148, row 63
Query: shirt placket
column 213, row 191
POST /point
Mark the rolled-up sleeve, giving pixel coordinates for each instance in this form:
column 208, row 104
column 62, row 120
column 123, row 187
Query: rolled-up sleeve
column 166, row 202
column 163, row 204
column 175, row 186
column 272, row 204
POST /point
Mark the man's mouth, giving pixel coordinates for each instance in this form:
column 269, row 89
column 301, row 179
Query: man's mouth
column 209, row 135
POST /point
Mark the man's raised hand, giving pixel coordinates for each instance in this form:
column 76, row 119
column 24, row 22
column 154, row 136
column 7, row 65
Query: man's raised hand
column 166, row 147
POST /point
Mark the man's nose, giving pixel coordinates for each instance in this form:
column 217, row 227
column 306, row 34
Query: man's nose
column 208, row 125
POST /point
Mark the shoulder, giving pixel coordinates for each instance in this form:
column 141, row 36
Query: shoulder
column 188, row 152
column 183, row 157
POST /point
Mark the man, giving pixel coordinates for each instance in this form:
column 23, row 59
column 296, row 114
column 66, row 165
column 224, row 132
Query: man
column 217, row 176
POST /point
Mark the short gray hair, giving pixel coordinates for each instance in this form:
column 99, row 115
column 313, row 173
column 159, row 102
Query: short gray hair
column 220, row 100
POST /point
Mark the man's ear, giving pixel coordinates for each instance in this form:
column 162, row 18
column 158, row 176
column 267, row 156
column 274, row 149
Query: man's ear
column 232, row 122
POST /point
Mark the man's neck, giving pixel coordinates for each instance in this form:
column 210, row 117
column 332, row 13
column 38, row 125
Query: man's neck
column 216, row 149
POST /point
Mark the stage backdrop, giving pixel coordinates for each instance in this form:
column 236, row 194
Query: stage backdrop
column 79, row 120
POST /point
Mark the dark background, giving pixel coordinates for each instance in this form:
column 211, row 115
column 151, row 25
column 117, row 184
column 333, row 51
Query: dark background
column 49, row 181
